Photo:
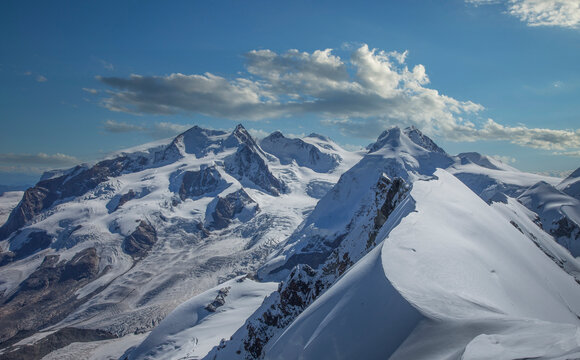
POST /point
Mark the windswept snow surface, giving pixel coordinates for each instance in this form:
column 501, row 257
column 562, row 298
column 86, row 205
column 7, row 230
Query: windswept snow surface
column 191, row 330
column 484, row 292
column 488, row 291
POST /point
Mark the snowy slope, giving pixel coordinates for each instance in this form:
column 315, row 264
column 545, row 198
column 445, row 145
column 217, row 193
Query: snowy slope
column 487, row 176
column 559, row 213
column 528, row 223
column 445, row 261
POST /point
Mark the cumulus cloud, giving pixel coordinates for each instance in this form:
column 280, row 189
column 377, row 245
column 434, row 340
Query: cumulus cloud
column 107, row 65
column 91, row 91
column 57, row 159
column 158, row 130
column 361, row 95
column 504, row 159
column 574, row 153
column 562, row 13
column 294, row 83
column 118, row 127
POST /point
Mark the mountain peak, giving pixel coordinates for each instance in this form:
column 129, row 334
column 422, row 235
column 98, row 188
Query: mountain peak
column 395, row 138
column 275, row 135
column 391, row 137
column 196, row 140
column 422, row 140
column 239, row 136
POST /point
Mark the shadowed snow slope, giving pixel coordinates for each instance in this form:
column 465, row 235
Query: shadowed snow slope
column 361, row 317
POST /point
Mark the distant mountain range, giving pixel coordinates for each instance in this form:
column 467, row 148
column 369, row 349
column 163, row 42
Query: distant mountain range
column 216, row 245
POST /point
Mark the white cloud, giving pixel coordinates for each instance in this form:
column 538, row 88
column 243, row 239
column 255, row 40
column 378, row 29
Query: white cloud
column 258, row 133
column 41, row 78
column 482, row 2
column 556, row 173
column 536, row 138
column 162, row 130
column 504, row 159
column 574, row 153
column 118, row 127
column 107, row 65
column 361, row 96
column 562, row 13
column 158, row 130
column 57, row 159
column 91, row 91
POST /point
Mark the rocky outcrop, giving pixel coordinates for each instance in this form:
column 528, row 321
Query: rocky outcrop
column 248, row 165
column 140, row 241
column 203, row 182
column 48, row 294
column 235, row 205
column 219, row 300
column 277, row 312
column 392, row 191
column 36, row 241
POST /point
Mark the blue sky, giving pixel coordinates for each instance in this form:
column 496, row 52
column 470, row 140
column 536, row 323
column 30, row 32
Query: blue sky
column 79, row 80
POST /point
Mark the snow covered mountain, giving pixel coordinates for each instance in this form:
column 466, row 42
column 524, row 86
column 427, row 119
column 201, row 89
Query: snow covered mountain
column 114, row 247
column 399, row 260
column 292, row 247
column 571, row 184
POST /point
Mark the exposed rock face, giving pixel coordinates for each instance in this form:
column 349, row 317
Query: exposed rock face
column 219, row 300
column 231, row 206
column 247, row 164
column 48, row 294
column 393, row 192
column 120, row 200
column 37, row 240
column 140, row 241
column 203, row 182
column 283, row 306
